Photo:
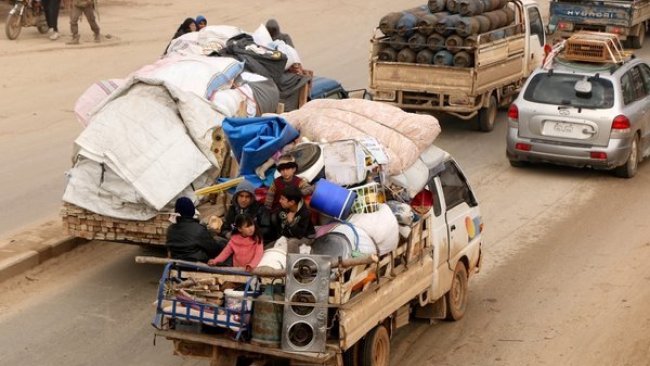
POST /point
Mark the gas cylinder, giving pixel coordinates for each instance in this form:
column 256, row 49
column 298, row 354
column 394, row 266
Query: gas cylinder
column 267, row 317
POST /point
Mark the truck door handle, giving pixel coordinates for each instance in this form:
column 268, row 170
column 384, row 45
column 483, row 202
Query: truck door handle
column 452, row 228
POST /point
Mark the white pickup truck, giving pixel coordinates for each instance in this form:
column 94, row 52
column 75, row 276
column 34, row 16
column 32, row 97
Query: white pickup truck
column 368, row 299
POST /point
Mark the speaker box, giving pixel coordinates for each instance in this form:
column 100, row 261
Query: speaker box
column 304, row 327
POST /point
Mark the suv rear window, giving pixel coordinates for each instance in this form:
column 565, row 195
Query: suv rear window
column 558, row 89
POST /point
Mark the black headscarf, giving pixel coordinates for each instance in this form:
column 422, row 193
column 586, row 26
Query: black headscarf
column 184, row 28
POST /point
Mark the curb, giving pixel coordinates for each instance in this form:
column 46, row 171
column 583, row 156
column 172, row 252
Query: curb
column 20, row 261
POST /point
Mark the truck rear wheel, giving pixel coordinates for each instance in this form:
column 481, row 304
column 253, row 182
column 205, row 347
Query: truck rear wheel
column 457, row 295
column 487, row 116
column 376, row 350
column 637, row 41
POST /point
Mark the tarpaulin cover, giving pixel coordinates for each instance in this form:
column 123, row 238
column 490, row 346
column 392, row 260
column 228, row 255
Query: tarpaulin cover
column 255, row 140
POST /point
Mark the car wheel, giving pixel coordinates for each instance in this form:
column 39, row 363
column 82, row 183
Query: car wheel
column 629, row 168
column 376, row 350
column 457, row 296
column 637, row 41
column 518, row 163
column 487, row 116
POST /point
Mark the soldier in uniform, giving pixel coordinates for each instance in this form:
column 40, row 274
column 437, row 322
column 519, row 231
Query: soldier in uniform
column 86, row 7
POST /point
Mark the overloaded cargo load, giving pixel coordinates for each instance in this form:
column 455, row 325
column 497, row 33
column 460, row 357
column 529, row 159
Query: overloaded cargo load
column 444, row 32
column 156, row 134
column 381, row 248
column 463, row 58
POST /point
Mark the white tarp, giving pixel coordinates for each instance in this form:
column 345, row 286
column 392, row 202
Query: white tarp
column 154, row 141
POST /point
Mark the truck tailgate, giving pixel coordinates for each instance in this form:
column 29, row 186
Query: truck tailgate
column 419, row 77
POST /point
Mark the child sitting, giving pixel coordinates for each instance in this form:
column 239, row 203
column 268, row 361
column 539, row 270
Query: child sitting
column 245, row 245
column 287, row 167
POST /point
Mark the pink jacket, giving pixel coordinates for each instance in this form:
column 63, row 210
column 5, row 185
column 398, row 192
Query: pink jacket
column 246, row 251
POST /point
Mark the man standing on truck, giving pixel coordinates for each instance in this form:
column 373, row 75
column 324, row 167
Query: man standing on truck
column 274, row 30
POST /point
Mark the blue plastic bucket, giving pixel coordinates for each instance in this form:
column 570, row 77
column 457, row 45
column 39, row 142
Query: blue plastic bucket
column 332, row 199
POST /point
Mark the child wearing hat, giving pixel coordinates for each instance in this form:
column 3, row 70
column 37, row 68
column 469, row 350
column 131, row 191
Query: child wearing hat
column 287, row 167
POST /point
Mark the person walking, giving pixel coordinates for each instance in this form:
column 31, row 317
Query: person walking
column 86, row 7
column 51, row 8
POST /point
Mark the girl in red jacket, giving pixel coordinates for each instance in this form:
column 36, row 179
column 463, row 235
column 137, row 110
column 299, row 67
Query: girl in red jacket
column 245, row 245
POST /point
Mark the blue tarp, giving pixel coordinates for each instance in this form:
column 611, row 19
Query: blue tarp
column 255, row 140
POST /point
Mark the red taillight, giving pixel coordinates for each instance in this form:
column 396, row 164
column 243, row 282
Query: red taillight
column 547, row 49
column 513, row 112
column 598, row 155
column 523, row 147
column 620, row 122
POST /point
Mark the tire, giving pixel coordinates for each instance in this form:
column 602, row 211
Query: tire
column 376, row 349
column 518, row 164
column 630, row 167
column 637, row 41
column 457, row 296
column 487, row 116
column 13, row 26
column 352, row 356
column 42, row 28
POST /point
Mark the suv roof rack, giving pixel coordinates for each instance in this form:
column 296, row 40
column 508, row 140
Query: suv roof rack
column 595, row 47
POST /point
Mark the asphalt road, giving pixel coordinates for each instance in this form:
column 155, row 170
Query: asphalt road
column 565, row 278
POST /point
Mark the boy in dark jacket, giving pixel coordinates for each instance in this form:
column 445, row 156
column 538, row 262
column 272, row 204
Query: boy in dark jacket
column 295, row 221
column 244, row 203
column 188, row 239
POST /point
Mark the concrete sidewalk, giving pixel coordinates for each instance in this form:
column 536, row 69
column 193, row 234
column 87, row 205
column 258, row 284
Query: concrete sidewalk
column 35, row 245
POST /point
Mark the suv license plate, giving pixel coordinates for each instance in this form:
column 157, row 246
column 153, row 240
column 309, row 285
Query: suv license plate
column 564, row 129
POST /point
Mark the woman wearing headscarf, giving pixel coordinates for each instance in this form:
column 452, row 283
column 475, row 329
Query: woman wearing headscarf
column 201, row 22
column 188, row 25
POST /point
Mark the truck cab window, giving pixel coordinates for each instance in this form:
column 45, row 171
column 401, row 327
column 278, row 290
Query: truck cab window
column 536, row 25
column 454, row 187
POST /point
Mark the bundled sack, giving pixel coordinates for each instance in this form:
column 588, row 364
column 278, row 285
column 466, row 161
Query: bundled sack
column 404, row 135
column 207, row 41
column 200, row 75
column 93, row 97
column 381, row 226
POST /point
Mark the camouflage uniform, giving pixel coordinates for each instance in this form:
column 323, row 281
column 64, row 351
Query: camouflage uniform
column 86, row 7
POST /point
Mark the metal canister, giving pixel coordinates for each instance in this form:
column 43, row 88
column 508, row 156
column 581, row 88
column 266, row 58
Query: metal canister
column 267, row 317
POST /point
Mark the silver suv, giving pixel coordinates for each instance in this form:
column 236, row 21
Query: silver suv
column 584, row 115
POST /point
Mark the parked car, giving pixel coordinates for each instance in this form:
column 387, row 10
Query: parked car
column 323, row 87
column 584, row 115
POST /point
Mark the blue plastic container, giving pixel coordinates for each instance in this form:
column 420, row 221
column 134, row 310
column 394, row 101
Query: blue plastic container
column 332, row 199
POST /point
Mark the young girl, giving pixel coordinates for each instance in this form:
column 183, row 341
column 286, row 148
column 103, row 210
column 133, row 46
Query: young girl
column 245, row 245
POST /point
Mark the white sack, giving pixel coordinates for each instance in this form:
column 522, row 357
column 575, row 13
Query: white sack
column 414, row 179
column 381, row 226
column 200, row 75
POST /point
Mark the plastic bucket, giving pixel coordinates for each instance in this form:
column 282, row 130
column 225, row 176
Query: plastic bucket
column 332, row 199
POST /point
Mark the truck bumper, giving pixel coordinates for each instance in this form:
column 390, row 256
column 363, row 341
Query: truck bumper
column 220, row 350
column 617, row 152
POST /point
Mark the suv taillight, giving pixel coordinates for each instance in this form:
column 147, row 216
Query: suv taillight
column 513, row 112
column 620, row 122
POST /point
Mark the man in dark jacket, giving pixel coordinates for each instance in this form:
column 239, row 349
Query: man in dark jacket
column 244, row 203
column 188, row 239
column 274, row 30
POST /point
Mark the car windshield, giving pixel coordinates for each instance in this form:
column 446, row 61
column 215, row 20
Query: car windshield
column 559, row 89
